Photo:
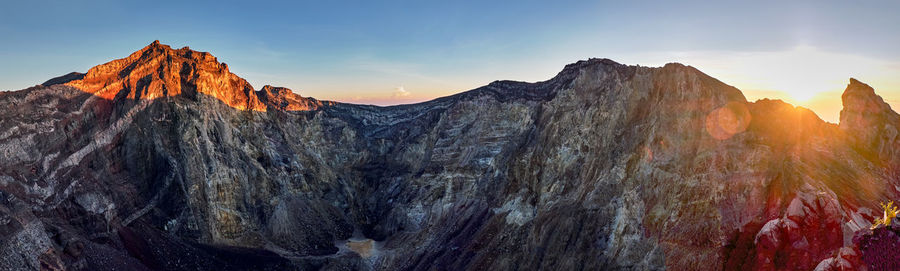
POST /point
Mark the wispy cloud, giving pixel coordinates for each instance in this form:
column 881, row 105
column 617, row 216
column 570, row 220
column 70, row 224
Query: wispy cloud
column 401, row 92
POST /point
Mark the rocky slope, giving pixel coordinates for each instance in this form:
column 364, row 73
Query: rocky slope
column 166, row 160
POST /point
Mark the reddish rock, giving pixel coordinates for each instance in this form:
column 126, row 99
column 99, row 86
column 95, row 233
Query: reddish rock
column 847, row 258
column 158, row 71
column 879, row 248
column 873, row 123
column 809, row 231
column 285, row 99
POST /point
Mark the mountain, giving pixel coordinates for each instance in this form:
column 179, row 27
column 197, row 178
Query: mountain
column 166, row 160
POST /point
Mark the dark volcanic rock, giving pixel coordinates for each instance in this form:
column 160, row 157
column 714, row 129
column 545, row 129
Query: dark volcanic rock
column 69, row 77
column 166, row 160
column 879, row 248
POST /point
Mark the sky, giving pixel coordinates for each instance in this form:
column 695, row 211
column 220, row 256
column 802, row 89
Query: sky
column 393, row 52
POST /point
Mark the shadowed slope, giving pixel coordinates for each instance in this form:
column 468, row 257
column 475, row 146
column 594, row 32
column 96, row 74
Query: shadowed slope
column 604, row 166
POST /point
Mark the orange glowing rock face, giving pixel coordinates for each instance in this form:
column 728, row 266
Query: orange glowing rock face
column 158, row 71
column 286, row 100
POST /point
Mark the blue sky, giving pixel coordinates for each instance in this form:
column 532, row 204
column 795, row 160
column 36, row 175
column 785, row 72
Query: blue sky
column 407, row 51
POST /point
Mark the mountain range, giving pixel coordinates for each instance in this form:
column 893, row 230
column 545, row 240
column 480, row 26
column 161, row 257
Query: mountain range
column 165, row 160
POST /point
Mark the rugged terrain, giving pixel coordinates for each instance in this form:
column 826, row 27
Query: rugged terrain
column 167, row 160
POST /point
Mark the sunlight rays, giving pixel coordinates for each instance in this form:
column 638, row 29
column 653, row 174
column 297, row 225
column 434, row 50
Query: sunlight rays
column 802, row 75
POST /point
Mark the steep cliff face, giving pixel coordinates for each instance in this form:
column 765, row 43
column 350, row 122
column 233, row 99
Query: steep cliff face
column 165, row 160
column 874, row 124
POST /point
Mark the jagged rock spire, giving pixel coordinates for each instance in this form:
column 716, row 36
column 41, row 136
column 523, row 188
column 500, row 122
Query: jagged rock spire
column 870, row 122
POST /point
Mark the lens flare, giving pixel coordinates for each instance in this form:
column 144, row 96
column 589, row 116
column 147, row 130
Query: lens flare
column 728, row 120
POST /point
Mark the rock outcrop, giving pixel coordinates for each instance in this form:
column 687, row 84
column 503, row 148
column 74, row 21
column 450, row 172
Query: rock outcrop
column 877, row 248
column 166, row 160
column 873, row 123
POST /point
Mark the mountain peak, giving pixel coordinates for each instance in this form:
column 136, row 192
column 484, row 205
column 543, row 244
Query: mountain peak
column 158, row 71
column 860, row 102
column 581, row 64
column 857, row 86
column 285, row 99
column 869, row 119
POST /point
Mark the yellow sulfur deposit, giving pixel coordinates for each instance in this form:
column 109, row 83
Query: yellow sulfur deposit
column 890, row 211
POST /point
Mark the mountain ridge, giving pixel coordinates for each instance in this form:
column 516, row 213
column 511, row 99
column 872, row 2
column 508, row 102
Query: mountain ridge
column 100, row 83
column 603, row 166
column 246, row 102
column 158, row 71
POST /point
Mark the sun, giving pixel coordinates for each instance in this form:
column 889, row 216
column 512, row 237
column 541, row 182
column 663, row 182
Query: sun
column 803, row 95
column 800, row 75
column 803, row 73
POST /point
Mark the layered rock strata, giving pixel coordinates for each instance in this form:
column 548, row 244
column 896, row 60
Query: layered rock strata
column 166, row 160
